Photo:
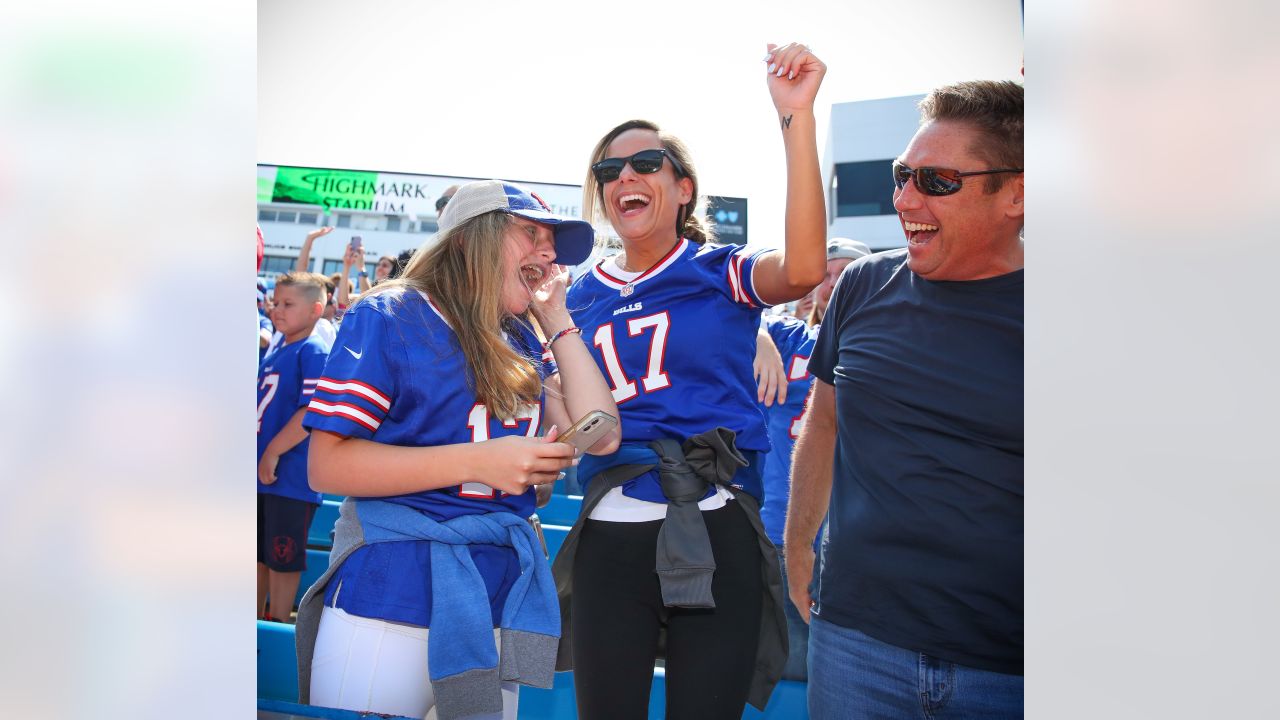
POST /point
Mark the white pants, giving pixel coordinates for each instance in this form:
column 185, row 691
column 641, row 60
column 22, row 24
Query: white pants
column 378, row 666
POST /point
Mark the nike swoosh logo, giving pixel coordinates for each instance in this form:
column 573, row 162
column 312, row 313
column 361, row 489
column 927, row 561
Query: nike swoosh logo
column 354, row 354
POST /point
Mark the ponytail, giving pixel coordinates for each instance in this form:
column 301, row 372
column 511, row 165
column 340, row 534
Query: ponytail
column 690, row 224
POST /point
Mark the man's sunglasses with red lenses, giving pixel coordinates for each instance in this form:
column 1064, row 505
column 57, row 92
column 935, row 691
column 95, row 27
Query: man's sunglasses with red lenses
column 938, row 181
column 643, row 162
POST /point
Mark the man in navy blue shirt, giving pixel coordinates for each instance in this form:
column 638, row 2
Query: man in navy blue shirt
column 913, row 440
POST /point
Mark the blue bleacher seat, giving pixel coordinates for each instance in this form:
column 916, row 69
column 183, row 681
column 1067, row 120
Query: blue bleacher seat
column 317, row 563
column 278, row 688
column 322, row 525
column 277, row 662
column 555, row 703
column 281, row 710
column 555, row 535
column 788, row 701
column 562, row 510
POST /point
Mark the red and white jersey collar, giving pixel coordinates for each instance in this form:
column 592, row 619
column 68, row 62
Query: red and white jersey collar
column 614, row 276
column 435, row 309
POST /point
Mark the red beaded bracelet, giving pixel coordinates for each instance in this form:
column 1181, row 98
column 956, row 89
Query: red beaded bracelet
column 559, row 335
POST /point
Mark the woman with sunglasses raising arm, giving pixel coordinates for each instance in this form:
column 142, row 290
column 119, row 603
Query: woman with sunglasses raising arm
column 672, row 322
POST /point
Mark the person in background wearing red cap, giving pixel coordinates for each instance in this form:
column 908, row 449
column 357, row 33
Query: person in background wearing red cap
column 436, row 415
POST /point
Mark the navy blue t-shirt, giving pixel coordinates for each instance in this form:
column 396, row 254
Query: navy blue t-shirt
column 925, row 548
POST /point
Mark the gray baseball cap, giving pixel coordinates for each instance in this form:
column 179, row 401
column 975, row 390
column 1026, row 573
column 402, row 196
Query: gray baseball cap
column 574, row 237
column 846, row 248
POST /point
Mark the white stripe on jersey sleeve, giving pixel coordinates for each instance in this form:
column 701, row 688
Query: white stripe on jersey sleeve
column 356, row 388
column 343, row 409
column 741, row 292
column 754, row 291
column 735, row 280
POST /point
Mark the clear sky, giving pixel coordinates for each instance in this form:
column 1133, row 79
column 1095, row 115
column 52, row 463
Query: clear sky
column 522, row 91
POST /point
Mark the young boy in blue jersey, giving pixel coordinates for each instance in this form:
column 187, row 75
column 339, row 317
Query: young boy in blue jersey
column 436, row 415
column 286, row 381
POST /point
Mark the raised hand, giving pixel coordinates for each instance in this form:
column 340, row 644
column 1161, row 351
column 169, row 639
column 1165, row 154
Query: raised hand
column 794, row 75
column 548, row 300
column 319, row 232
column 352, row 257
column 771, row 377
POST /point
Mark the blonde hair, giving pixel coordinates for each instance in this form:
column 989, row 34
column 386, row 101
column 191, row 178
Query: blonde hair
column 462, row 273
column 336, row 278
column 688, row 223
column 311, row 284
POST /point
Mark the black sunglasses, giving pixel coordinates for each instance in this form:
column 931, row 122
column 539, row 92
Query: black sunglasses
column 643, row 162
column 937, row 181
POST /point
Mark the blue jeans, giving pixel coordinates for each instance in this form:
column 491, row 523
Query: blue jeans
column 853, row 676
column 797, row 630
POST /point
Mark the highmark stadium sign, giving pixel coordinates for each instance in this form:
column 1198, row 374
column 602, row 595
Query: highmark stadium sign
column 380, row 192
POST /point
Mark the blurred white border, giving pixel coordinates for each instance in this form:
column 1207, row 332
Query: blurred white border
column 1151, row 361
column 126, row 186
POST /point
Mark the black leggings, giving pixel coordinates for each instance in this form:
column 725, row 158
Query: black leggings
column 618, row 611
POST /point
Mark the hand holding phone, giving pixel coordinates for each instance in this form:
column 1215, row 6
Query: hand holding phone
column 356, row 245
column 588, row 431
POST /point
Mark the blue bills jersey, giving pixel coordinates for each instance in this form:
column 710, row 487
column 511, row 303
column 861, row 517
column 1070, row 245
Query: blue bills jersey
column 287, row 379
column 676, row 346
column 397, row 375
column 795, row 340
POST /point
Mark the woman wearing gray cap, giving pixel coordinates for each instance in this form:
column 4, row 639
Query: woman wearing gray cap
column 430, row 418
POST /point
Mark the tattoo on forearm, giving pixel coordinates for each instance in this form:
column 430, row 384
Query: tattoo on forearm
column 786, row 122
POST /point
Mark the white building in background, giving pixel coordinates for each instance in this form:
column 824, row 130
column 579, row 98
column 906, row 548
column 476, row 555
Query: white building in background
column 391, row 212
column 862, row 142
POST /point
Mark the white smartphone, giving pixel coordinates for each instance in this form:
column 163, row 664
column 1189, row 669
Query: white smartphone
column 588, row 431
